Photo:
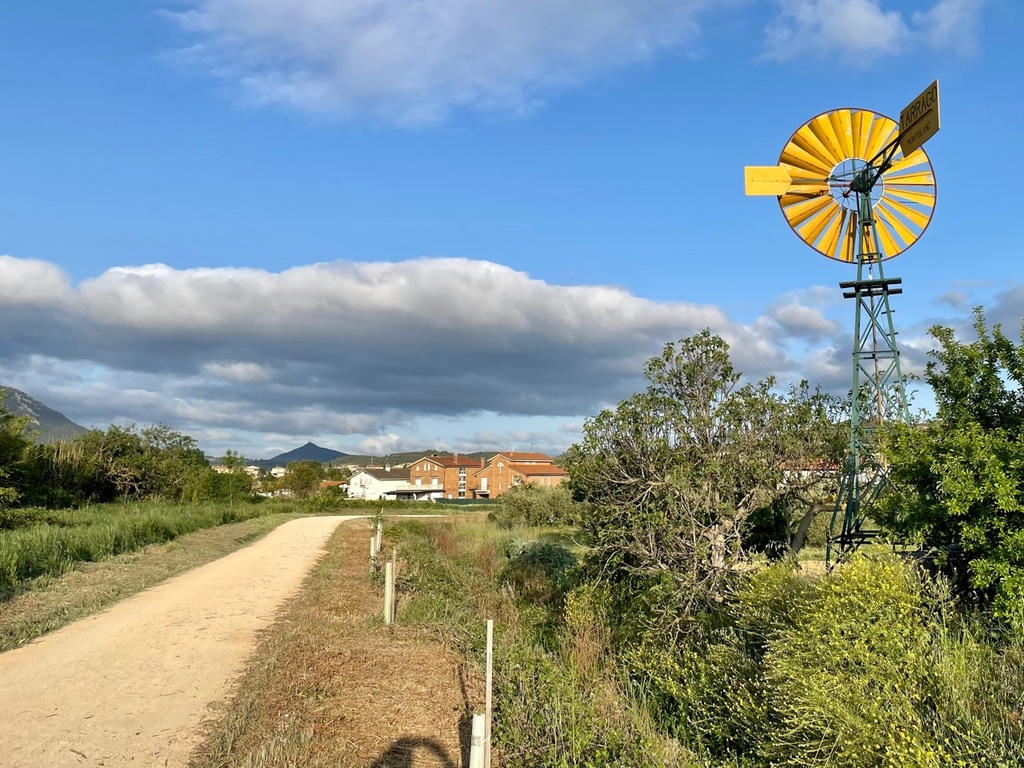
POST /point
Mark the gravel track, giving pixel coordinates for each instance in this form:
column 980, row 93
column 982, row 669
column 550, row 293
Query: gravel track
column 132, row 685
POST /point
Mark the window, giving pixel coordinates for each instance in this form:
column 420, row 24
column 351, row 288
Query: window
column 462, row 493
column 433, row 480
column 419, row 481
column 501, row 467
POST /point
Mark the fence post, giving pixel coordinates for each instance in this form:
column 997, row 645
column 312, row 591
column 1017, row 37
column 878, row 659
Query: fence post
column 477, row 748
column 487, row 695
column 389, row 593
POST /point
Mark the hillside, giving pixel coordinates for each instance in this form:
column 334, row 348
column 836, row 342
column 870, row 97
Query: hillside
column 307, row 452
column 45, row 424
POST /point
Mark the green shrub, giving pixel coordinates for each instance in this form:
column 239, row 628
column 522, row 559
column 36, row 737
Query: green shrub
column 844, row 680
column 536, row 505
column 538, row 573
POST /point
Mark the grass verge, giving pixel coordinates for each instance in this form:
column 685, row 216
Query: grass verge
column 558, row 698
column 67, row 537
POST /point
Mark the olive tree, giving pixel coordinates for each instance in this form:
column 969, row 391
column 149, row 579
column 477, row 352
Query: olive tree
column 673, row 474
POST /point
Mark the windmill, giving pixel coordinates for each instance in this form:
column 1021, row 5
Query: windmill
column 858, row 188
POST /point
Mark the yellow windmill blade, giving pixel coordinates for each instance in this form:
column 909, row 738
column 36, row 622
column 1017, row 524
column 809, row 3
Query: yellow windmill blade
column 814, row 182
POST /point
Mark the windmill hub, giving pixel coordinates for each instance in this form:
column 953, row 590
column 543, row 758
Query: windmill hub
column 851, row 176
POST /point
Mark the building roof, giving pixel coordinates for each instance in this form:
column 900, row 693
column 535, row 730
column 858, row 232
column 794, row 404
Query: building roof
column 525, row 456
column 451, row 461
column 385, row 474
column 530, row 470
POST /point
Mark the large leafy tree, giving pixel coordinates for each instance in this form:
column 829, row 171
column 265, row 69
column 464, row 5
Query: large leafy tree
column 674, row 473
column 958, row 481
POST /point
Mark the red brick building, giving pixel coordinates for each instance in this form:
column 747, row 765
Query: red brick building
column 452, row 476
column 507, row 470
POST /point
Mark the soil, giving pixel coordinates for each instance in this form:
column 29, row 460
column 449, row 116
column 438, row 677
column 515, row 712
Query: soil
column 133, row 684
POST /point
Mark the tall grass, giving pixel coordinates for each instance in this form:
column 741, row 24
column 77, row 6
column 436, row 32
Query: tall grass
column 52, row 548
column 556, row 704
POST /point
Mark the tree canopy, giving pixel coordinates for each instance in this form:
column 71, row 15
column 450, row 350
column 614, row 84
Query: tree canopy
column 957, row 482
column 675, row 472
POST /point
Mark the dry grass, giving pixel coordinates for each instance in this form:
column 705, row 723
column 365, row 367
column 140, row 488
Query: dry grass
column 50, row 603
column 332, row 686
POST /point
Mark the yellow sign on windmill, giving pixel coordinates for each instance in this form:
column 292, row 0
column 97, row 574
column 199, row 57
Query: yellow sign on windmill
column 919, row 120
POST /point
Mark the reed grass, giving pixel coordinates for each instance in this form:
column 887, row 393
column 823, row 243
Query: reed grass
column 93, row 533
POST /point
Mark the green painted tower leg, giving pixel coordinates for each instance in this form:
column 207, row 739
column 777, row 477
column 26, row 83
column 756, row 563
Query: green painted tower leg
column 878, row 392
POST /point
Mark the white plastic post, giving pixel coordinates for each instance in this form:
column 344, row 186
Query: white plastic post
column 389, row 593
column 476, row 745
column 373, row 551
column 487, row 694
column 380, row 534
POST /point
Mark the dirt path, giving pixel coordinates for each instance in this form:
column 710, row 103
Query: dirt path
column 131, row 685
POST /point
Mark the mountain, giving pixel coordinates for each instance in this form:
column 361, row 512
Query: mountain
column 308, row 452
column 45, row 424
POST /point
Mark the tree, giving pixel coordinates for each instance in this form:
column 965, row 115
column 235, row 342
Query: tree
column 673, row 474
column 303, row 477
column 12, row 447
column 233, row 460
column 957, row 483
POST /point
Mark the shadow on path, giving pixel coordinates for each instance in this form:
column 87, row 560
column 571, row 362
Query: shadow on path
column 403, row 752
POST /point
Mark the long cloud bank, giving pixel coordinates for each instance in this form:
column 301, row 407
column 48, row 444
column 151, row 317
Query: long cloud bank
column 349, row 347
column 371, row 349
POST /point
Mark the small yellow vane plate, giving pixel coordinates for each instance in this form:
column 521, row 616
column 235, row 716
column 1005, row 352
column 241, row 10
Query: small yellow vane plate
column 813, row 177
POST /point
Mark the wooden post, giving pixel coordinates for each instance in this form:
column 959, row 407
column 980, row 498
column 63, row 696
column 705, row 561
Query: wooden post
column 487, row 694
column 394, row 585
column 389, row 593
column 477, row 748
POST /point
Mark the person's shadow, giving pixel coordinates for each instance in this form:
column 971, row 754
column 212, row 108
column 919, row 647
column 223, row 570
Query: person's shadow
column 404, row 751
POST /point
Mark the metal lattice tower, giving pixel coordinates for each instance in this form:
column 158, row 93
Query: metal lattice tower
column 856, row 187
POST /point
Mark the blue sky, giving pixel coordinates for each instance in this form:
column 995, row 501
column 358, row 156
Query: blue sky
column 385, row 225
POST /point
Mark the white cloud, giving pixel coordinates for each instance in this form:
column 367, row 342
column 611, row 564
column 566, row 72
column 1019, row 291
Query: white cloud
column 361, row 349
column 861, row 31
column 371, row 353
column 953, row 298
column 29, row 281
column 240, row 372
column 804, row 322
column 951, row 24
column 413, row 61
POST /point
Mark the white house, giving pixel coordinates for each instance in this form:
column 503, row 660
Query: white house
column 372, row 483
